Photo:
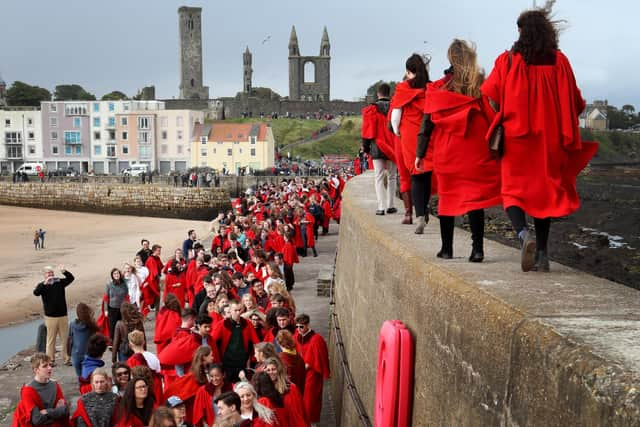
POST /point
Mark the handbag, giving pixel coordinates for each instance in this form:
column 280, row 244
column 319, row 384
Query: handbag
column 496, row 140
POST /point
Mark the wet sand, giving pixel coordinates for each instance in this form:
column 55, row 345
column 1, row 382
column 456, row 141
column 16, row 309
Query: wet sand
column 88, row 245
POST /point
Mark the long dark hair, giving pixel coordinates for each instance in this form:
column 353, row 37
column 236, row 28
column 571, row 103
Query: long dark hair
column 538, row 39
column 172, row 303
column 128, row 402
column 120, row 281
column 265, row 388
column 415, row 63
column 85, row 316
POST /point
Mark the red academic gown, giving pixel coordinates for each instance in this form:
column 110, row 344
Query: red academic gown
column 203, row 405
column 311, row 242
column 411, row 100
column 138, row 360
column 171, row 279
column 221, row 335
column 296, row 408
column 152, row 290
column 130, row 421
column 179, row 351
column 295, row 369
column 313, row 349
column 326, row 211
column 543, row 151
column 185, row 388
column 289, row 254
column 29, row 398
column 374, row 126
column 468, row 176
column 103, row 321
column 167, row 321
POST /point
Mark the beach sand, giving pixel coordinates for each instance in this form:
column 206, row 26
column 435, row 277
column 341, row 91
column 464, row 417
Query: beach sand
column 88, row 245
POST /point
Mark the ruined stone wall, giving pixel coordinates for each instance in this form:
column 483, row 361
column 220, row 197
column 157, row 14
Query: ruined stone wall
column 139, row 200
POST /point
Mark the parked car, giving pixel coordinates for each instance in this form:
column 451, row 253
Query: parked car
column 31, row 168
column 68, row 171
column 136, row 170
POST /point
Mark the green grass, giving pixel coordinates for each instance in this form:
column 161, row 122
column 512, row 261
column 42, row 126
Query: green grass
column 287, row 131
column 614, row 146
column 346, row 141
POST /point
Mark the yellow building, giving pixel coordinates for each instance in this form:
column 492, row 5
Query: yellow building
column 232, row 146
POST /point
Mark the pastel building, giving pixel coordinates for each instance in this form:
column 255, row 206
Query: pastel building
column 66, row 135
column 230, row 146
column 21, row 138
column 175, row 130
column 104, row 153
column 135, row 139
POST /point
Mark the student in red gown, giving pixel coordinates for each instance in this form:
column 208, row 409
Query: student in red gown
column 167, row 321
column 203, row 407
column 291, row 395
column 175, row 279
column 151, row 292
column 313, row 349
column 406, row 116
column 136, row 404
column 534, row 88
column 455, row 124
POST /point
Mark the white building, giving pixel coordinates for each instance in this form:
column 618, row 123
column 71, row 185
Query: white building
column 174, row 133
column 21, row 138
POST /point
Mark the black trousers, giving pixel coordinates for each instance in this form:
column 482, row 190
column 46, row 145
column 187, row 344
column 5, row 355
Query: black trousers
column 476, row 223
column 542, row 225
column 421, row 192
column 114, row 316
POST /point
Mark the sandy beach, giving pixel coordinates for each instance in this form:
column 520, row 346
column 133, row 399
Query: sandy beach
column 88, row 245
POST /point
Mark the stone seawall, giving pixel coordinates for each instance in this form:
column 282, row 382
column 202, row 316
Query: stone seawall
column 120, row 199
column 494, row 346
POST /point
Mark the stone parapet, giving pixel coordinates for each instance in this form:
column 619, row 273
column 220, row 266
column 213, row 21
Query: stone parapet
column 140, row 200
column 494, row 346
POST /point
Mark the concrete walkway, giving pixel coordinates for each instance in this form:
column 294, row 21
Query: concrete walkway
column 17, row 371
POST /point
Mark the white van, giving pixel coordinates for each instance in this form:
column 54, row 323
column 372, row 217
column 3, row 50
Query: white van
column 31, row 168
column 136, row 169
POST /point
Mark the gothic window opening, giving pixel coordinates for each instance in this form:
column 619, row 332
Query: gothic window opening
column 309, row 72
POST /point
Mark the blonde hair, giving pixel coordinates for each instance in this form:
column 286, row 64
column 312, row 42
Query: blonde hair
column 136, row 338
column 467, row 75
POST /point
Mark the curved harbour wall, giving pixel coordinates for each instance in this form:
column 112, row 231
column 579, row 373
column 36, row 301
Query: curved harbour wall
column 118, row 199
column 494, row 346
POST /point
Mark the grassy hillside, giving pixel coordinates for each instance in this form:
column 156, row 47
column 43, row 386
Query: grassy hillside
column 615, row 146
column 287, row 131
column 345, row 141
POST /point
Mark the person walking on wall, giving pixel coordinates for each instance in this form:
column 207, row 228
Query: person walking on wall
column 543, row 151
column 52, row 290
column 36, row 240
column 41, row 234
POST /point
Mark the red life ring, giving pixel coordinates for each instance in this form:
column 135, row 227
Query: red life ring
column 394, row 376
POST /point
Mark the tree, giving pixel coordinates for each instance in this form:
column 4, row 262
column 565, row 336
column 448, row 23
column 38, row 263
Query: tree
column 628, row 109
column 372, row 90
column 24, row 95
column 116, row 95
column 72, row 93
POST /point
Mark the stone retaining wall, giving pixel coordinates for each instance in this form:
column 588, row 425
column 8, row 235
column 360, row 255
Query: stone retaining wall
column 147, row 200
column 494, row 346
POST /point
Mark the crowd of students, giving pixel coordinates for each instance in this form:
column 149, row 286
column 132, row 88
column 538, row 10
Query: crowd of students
column 231, row 348
column 444, row 139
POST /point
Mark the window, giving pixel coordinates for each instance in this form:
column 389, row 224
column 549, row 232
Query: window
column 54, row 149
column 164, row 134
column 143, row 123
column 53, row 121
column 164, row 149
column 13, row 137
column 253, row 152
column 253, row 140
column 125, row 136
column 53, row 108
column 78, row 150
column 96, row 107
column 144, row 137
column 125, row 149
column 179, row 121
column 96, row 122
column 97, row 150
column 14, row 152
column 179, row 149
column 112, row 122
column 72, row 137
column 126, row 107
column 96, row 135
column 203, row 152
column 30, row 122
column 203, row 140
column 112, row 135
column 179, row 135
column 75, row 109
column 240, row 151
column 124, row 121
column 112, row 107
column 77, row 123
column 32, row 149
column 54, row 135
column 229, row 152
column 7, row 123
column 144, row 151
column 67, row 150
column 111, row 150
column 164, row 122
column 31, row 135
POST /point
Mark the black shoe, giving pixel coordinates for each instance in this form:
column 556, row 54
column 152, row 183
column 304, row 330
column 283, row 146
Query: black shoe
column 527, row 252
column 444, row 254
column 476, row 256
column 392, row 210
column 542, row 262
column 380, row 212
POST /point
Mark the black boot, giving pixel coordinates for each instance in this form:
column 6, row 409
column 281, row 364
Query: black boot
column 446, row 235
column 315, row 253
column 542, row 262
column 476, row 222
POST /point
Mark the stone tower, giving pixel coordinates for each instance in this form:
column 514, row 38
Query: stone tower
column 247, row 71
column 190, row 27
column 315, row 68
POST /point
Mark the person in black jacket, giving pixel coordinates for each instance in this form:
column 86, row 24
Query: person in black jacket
column 54, row 301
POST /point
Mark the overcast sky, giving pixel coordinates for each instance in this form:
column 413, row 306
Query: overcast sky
column 127, row 44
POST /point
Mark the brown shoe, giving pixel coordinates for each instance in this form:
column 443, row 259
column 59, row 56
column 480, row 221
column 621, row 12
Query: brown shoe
column 528, row 251
column 408, row 207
